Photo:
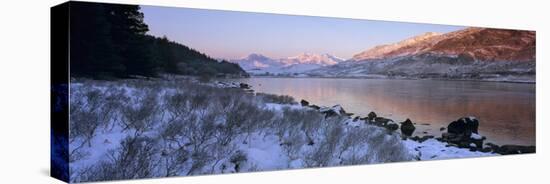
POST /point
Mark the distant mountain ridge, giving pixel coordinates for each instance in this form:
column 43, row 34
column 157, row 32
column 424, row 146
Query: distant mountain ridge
column 468, row 54
column 260, row 64
column 482, row 44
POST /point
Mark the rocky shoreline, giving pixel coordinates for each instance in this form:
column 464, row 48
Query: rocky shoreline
column 461, row 133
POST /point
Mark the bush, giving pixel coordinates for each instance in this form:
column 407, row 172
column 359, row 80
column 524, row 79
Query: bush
column 178, row 127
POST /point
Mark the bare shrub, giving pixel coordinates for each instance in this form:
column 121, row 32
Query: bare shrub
column 174, row 160
column 176, row 105
column 196, row 129
column 133, row 159
column 141, row 114
column 354, row 145
column 386, row 148
column 331, row 134
column 237, row 159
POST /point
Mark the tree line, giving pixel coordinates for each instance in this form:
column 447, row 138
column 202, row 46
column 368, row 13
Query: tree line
column 111, row 41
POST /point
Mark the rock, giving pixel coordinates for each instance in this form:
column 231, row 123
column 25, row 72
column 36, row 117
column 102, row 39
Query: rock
column 244, row 86
column 442, row 129
column 515, row 149
column 477, row 140
column 371, row 116
column 392, row 126
column 315, row 107
column 492, row 146
column 336, row 110
column 304, row 102
column 356, row 118
column 380, row 121
column 486, row 150
column 451, row 137
column 407, row 127
column 464, row 133
column 422, row 139
column 466, row 126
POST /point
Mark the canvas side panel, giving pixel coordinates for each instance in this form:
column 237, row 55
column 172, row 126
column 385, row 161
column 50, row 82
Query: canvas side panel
column 59, row 99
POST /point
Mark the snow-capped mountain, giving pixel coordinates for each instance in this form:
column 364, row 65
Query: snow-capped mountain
column 471, row 54
column 308, row 58
column 482, row 44
column 256, row 61
column 382, row 51
column 260, row 64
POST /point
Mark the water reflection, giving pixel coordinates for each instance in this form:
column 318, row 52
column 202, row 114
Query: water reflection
column 506, row 110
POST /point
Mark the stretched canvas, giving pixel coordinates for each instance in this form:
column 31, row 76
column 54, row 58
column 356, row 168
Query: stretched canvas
column 148, row 91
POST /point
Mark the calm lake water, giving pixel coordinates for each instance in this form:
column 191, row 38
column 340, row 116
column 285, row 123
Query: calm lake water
column 506, row 111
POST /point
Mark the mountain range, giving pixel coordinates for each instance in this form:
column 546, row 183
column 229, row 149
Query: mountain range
column 483, row 44
column 468, row 54
column 260, row 65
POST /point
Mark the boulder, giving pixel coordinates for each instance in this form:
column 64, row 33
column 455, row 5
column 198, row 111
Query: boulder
column 244, row 86
column 486, row 150
column 304, row 102
column 381, row 121
column 515, row 149
column 336, row 110
column 451, row 137
column 407, row 127
column 493, row 147
column 392, row 126
column 422, row 139
column 464, row 133
column 315, row 107
column 371, row 116
column 466, row 126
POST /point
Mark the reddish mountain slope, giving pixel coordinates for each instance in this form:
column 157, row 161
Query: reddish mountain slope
column 483, row 44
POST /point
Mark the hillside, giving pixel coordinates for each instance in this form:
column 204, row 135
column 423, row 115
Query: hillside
column 468, row 54
column 482, row 44
column 111, row 41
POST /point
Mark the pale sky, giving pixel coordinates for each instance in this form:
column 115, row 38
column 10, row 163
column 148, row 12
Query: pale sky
column 230, row 34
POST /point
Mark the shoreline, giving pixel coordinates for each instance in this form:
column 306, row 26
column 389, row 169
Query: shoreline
column 383, row 77
column 487, row 147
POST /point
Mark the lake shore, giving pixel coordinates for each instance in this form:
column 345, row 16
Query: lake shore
column 531, row 79
column 432, row 104
column 473, row 142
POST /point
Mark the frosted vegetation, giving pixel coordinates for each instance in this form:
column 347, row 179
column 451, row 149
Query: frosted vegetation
column 131, row 129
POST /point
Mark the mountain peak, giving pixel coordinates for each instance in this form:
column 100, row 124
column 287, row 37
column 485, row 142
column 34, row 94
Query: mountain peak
column 309, row 58
column 483, row 44
column 255, row 56
column 257, row 63
column 381, row 51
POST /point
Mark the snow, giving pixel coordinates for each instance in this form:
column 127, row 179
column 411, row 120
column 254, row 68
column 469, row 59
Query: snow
column 259, row 64
column 265, row 153
column 264, row 150
column 337, row 109
column 433, row 149
column 476, row 136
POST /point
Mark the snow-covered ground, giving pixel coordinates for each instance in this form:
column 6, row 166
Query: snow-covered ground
column 140, row 129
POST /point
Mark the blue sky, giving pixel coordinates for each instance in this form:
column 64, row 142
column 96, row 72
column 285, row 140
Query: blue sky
column 230, row 34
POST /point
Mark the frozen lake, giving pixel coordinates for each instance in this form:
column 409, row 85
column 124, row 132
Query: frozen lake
column 506, row 110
